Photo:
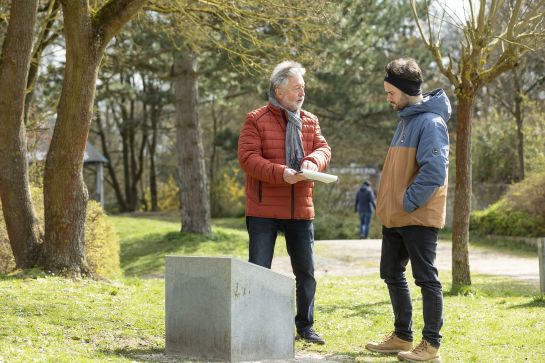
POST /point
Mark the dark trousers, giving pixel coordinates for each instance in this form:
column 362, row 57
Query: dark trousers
column 365, row 224
column 300, row 244
column 419, row 245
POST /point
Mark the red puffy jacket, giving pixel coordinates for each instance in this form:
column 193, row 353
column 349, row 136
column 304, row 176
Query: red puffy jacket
column 262, row 156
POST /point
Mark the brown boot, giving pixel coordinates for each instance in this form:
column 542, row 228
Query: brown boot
column 423, row 352
column 390, row 344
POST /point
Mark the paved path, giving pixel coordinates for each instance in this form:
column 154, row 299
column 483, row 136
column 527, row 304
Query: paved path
column 362, row 257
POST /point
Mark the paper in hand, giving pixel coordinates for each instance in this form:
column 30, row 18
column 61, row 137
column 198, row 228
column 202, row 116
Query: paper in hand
column 318, row 176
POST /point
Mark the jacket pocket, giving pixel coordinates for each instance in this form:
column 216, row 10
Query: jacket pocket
column 260, row 191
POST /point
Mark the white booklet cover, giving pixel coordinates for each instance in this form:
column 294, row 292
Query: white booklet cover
column 318, row 176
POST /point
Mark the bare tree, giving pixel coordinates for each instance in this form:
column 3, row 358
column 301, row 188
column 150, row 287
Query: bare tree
column 193, row 181
column 490, row 46
column 21, row 222
column 65, row 195
column 513, row 91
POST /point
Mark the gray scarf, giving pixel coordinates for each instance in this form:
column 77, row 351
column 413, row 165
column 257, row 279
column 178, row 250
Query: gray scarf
column 294, row 144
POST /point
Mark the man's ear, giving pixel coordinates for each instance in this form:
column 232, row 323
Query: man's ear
column 277, row 92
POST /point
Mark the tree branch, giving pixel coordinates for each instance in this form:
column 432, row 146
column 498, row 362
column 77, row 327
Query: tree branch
column 109, row 19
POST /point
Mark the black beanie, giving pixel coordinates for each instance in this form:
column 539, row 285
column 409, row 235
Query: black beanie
column 412, row 88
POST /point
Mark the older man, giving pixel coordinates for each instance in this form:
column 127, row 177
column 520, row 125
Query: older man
column 275, row 143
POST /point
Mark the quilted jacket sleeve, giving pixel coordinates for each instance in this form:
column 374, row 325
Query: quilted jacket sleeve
column 432, row 158
column 251, row 158
column 321, row 152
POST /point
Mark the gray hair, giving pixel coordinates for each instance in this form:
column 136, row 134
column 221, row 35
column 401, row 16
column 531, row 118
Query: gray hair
column 281, row 72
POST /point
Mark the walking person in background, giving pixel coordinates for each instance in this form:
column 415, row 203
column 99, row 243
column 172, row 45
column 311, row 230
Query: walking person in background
column 411, row 205
column 275, row 143
column 364, row 206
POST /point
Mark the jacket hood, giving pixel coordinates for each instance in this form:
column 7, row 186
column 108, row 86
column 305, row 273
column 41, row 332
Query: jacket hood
column 435, row 101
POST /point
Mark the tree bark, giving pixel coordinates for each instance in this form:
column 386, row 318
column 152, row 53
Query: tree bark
column 193, row 182
column 519, row 119
column 154, row 118
column 46, row 37
column 462, row 193
column 111, row 169
column 19, row 215
column 65, row 194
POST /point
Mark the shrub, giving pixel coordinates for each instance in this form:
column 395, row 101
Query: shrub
column 101, row 240
column 168, row 195
column 227, row 193
column 519, row 212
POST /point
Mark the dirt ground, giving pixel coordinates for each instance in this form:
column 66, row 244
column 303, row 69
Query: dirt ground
column 362, row 257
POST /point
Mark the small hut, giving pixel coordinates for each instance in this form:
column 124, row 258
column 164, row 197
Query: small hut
column 92, row 160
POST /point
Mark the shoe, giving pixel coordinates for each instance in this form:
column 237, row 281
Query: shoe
column 423, row 352
column 390, row 344
column 311, row 336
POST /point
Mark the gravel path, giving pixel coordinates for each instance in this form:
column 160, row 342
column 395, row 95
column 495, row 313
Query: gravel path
column 362, row 257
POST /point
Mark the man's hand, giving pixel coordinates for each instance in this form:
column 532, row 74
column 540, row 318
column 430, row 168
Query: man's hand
column 292, row 177
column 309, row 165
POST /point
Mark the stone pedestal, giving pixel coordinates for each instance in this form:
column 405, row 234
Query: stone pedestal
column 221, row 308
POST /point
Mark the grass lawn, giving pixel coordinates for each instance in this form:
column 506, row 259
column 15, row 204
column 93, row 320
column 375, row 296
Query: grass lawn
column 44, row 318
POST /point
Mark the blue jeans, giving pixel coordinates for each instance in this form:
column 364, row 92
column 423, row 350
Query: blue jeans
column 300, row 245
column 419, row 245
column 365, row 224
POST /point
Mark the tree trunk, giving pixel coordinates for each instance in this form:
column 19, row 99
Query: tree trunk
column 19, row 215
column 519, row 118
column 212, row 166
column 111, row 169
column 193, row 181
column 65, row 194
column 462, row 194
column 154, row 117
column 46, row 37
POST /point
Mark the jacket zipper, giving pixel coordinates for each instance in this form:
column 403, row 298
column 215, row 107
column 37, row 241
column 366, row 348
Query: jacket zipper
column 293, row 201
column 402, row 134
column 260, row 191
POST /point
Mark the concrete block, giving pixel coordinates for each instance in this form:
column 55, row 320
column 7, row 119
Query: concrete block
column 221, row 308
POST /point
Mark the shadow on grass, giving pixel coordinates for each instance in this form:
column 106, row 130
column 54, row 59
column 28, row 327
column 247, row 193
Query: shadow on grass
column 157, row 216
column 145, row 255
column 355, row 310
column 144, row 355
column 32, row 273
column 495, row 286
column 160, row 355
column 537, row 302
column 233, row 223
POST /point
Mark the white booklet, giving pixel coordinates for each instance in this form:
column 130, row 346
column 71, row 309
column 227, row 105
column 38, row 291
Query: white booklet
column 316, row 175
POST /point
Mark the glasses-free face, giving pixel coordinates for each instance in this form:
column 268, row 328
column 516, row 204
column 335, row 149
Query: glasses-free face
column 292, row 95
column 395, row 97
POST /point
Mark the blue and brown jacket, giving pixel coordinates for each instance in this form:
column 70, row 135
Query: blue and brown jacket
column 413, row 184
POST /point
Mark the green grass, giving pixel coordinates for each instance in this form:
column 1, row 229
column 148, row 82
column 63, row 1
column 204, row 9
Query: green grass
column 146, row 241
column 45, row 318
column 508, row 246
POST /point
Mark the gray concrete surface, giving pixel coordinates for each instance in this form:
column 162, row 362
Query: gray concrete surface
column 224, row 309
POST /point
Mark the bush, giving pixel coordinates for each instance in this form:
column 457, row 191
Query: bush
column 519, row 212
column 101, row 240
column 343, row 226
column 227, row 193
column 168, row 195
